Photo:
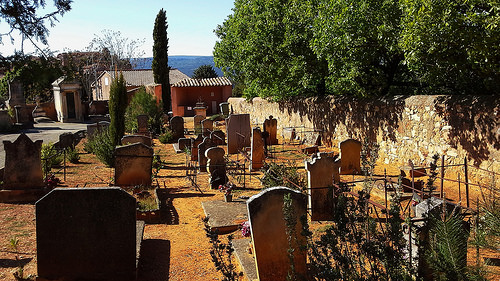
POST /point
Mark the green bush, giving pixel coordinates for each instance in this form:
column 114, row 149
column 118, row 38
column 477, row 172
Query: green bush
column 50, row 157
column 72, row 155
column 167, row 136
column 283, row 175
column 143, row 103
column 101, row 145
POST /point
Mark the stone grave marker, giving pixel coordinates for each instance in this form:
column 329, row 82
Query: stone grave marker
column 23, row 164
column 269, row 233
column 238, row 132
column 133, row 164
column 194, row 147
column 16, row 94
column 207, row 127
column 177, row 127
column 142, row 124
column 184, row 143
column 66, row 140
column 224, row 108
column 216, row 166
column 350, row 157
column 202, row 158
column 218, row 137
column 130, row 139
column 322, row 172
column 197, row 124
column 96, row 128
column 86, row 234
column 257, row 150
column 271, row 127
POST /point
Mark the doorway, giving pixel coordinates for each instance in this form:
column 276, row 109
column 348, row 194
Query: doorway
column 70, row 103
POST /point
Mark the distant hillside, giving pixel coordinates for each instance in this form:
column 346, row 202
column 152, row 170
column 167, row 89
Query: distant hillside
column 186, row 64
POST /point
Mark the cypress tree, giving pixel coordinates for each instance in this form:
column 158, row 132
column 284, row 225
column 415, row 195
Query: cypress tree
column 160, row 58
column 117, row 107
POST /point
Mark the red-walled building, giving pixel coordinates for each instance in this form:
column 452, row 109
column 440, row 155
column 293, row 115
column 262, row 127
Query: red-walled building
column 187, row 92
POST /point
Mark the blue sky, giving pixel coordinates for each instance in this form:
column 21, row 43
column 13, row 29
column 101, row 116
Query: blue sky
column 190, row 24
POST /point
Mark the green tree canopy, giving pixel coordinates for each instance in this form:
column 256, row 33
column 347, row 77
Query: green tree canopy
column 117, row 108
column 161, row 71
column 204, row 71
column 287, row 48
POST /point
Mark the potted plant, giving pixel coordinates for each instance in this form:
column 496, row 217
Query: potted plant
column 227, row 189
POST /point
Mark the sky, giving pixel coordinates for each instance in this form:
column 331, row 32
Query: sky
column 190, row 25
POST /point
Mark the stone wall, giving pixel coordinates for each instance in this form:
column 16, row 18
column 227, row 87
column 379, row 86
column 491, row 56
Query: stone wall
column 406, row 127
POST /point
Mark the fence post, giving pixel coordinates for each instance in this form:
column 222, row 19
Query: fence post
column 64, row 151
column 442, row 175
column 466, row 182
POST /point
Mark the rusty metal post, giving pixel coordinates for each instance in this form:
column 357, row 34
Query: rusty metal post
column 466, row 182
column 459, row 191
column 385, row 191
column 442, row 175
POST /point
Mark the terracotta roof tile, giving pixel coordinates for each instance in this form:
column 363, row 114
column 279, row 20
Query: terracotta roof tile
column 204, row 82
column 141, row 77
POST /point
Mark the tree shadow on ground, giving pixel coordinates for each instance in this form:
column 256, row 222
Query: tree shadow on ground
column 11, row 263
column 154, row 263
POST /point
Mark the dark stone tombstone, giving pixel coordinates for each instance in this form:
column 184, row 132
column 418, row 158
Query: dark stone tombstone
column 23, row 164
column 66, row 140
column 218, row 137
column 194, row 147
column 142, row 125
column 207, row 127
column 269, row 233
column 238, row 132
column 96, row 128
column 224, row 108
column 350, row 157
column 322, row 172
column 184, row 143
column 16, row 94
column 257, row 155
column 216, row 166
column 177, row 127
column 197, row 124
column 130, row 139
column 271, row 127
column 202, row 158
column 133, row 164
column 86, row 234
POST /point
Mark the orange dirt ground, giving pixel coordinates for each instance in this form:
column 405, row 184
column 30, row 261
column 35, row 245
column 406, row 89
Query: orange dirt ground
column 177, row 250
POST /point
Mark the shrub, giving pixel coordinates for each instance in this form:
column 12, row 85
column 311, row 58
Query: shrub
column 167, row 136
column 143, row 103
column 50, row 157
column 72, row 155
column 101, row 145
column 283, row 175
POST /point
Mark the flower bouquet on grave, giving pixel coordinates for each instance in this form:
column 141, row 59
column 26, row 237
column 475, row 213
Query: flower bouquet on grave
column 227, row 189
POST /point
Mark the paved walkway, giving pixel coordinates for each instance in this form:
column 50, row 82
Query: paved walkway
column 48, row 132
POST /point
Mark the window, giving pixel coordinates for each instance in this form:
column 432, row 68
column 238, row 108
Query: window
column 106, row 81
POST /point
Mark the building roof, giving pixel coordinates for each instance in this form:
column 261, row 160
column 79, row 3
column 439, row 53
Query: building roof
column 142, row 77
column 204, row 82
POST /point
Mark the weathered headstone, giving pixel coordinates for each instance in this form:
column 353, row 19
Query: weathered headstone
column 216, row 166
column 130, row 139
column 197, row 124
column 257, row 150
column 184, row 143
column 207, row 127
column 271, row 127
column 66, row 140
column 133, row 164
column 86, row 234
column 142, row 124
column 23, row 164
column 96, row 128
column 200, row 110
column 224, row 108
column 194, row 147
column 218, row 137
column 350, row 157
column 177, row 127
column 202, row 158
column 269, row 233
column 322, row 173
column 238, row 132
column 16, row 94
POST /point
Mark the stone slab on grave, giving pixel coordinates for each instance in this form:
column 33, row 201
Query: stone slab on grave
column 245, row 258
column 271, row 127
column 224, row 108
column 216, row 166
column 322, row 172
column 131, row 139
column 177, row 127
column 87, row 234
column 238, row 132
column 269, row 233
column 16, row 94
column 350, row 157
column 194, row 147
column 225, row 217
column 218, row 137
column 257, row 155
column 133, row 164
column 182, row 144
column 66, row 140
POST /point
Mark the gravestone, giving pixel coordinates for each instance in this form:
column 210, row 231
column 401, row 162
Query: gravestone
column 238, row 132
column 86, row 234
column 218, row 137
column 66, row 140
column 322, row 172
column 177, row 127
column 202, row 158
column 224, row 108
column 96, row 128
column 257, row 150
column 184, row 143
column 216, row 166
column 194, row 147
column 23, row 164
column 16, row 94
column 133, row 165
column 142, row 124
column 271, row 127
column 200, row 110
column 130, row 139
column 350, row 157
column 269, row 233
column 207, row 127
column 197, row 124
